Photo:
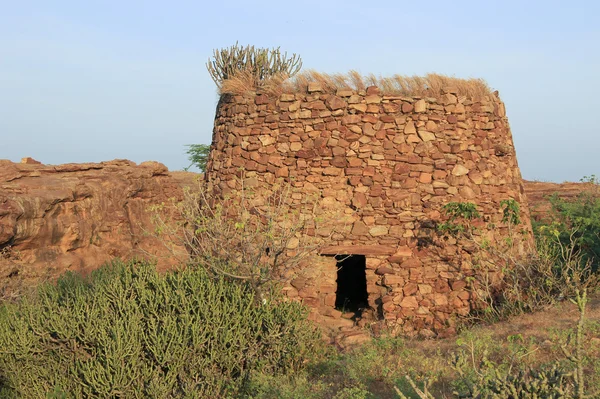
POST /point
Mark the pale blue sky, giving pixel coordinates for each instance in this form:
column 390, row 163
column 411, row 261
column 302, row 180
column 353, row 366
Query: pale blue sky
column 87, row 81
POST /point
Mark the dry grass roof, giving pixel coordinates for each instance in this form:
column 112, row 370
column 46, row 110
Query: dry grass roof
column 430, row 85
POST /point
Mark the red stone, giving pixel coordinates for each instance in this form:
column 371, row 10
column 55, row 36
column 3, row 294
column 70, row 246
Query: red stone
column 458, row 285
column 305, row 154
column 406, row 107
column 410, row 263
column 409, row 289
column 375, row 250
column 353, row 171
column 262, row 99
column 384, row 270
column 373, row 90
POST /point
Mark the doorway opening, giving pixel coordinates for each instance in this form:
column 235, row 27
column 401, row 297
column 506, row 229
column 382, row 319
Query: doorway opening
column 351, row 294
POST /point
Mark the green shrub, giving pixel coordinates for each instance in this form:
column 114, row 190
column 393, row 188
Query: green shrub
column 480, row 377
column 532, row 278
column 459, row 214
column 127, row 331
column 298, row 386
column 353, row 393
column 198, row 156
column 576, row 221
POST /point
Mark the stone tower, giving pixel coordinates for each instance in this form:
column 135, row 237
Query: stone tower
column 388, row 163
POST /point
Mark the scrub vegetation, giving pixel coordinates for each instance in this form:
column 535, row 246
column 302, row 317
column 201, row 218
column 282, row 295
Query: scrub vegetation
column 218, row 327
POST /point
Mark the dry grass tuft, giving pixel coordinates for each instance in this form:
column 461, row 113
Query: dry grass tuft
column 430, row 85
column 240, row 83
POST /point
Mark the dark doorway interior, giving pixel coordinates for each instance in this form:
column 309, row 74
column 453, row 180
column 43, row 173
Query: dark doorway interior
column 351, row 295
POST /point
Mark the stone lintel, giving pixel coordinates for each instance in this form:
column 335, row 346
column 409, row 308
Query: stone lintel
column 373, row 250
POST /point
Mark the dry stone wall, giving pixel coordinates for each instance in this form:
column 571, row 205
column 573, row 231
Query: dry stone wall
column 387, row 164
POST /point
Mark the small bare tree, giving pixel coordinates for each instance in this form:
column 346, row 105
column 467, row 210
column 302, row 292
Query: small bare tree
column 258, row 238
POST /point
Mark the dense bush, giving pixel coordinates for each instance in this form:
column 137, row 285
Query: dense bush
column 532, row 277
column 576, row 221
column 127, row 331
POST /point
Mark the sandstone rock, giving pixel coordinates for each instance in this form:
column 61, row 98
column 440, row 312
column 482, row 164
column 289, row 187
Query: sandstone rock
column 295, row 146
column 406, row 108
column 359, row 200
column 459, row 170
column 420, row 106
column 458, row 285
column 409, row 302
column 79, row 216
column 314, row 87
column 30, row 161
column 359, row 107
column 410, row 128
column 426, row 136
column 359, row 229
column 467, row 193
column 344, row 93
column 440, row 300
column 305, row 114
column 425, row 178
column 378, row 231
column 390, row 280
column 331, row 171
column 334, row 103
column 267, row 140
column 285, row 97
column 431, row 126
column 476, row 177
column 261, row 99
column 374, row 250
column 298, row 283
column 373, row 90
column 373, row 99
column 425, row 289
column 411, row 263
column 409, row 289
column 449, row 99
column 293, row 243
column 384, row 270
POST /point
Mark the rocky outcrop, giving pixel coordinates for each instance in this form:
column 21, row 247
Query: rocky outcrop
column 79, row 216
column 538, row 193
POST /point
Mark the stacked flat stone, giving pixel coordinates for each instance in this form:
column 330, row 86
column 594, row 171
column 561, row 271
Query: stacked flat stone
column 389, row 164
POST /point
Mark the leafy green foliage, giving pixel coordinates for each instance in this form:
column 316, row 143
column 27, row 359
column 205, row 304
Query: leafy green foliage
column 127, row 331
column 261, row 63
column 198, row 156
column 460, row 214
column 577, row 221
column 531, row 280
column 510, row 212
